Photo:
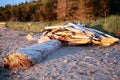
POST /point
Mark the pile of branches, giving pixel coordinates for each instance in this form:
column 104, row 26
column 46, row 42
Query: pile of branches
column 74, row 33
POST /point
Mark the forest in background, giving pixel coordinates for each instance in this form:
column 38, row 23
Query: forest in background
column 50, row 10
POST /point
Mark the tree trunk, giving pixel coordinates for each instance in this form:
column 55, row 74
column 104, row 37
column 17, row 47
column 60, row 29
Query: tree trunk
column 26, row 57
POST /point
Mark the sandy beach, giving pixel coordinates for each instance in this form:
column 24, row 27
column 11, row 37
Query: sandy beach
column 84, row 62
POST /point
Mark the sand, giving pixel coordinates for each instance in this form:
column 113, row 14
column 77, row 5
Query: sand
column 85, row 62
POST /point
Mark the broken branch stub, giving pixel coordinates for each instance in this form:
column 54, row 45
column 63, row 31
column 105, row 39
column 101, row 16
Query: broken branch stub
column 26, row 57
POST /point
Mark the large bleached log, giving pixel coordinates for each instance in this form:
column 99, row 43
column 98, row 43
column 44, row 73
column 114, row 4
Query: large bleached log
column 26, row 57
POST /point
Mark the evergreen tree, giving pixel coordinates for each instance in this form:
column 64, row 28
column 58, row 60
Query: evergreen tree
column 47, row 10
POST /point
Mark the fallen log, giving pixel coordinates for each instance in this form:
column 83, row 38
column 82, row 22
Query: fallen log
column 26, row 57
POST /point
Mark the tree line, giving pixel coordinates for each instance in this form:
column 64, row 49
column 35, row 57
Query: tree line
column 48, row 10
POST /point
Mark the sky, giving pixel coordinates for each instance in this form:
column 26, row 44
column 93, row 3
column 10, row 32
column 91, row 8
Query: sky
column 5, row 2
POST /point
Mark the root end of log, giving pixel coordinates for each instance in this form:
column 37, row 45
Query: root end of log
column 17, row 60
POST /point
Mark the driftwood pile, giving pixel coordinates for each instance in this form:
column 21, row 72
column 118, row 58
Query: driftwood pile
column 70, row 33
column 77, row 34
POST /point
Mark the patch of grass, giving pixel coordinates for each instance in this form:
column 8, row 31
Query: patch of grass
column 27, row 26
column 31, row 26
column 110, row 25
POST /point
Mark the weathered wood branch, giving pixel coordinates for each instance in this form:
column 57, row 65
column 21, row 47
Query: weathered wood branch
column 26, row 57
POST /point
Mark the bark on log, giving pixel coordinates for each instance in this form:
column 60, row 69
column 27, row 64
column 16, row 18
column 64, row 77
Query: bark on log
column 26, row 57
